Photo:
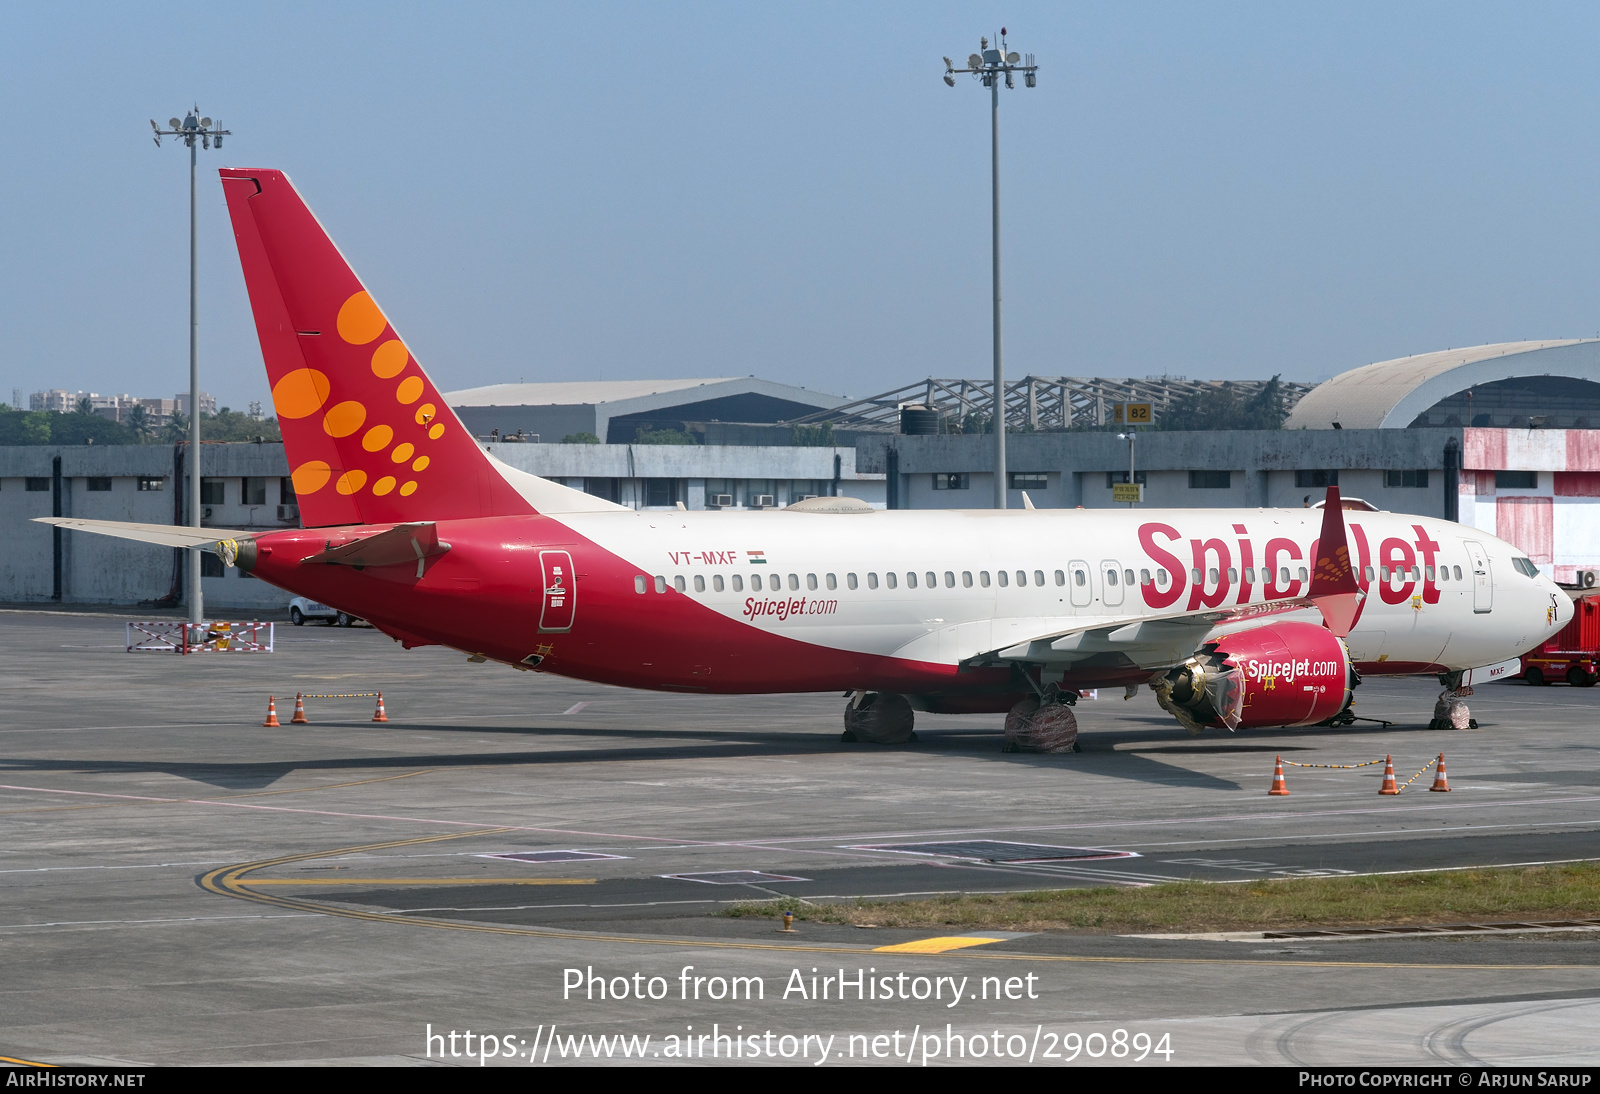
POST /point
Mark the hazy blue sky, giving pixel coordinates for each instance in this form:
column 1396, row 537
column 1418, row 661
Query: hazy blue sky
column 545, row 191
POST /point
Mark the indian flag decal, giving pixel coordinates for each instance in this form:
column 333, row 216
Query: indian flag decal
column 757, row 558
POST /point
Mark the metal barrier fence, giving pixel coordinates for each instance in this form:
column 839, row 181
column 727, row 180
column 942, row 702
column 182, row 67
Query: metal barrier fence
column 172, row 636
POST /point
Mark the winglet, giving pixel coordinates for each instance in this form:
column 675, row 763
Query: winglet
column 1334, row 589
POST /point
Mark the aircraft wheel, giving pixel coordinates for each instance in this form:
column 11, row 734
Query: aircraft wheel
column 297, row 617
column 1035, row 727
column 879, row 718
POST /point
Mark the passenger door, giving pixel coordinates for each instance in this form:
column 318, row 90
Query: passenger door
column 1482, row 579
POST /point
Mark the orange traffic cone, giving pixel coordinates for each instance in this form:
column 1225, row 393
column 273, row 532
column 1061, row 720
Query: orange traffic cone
column 272, row 713
column 1441, row 785
column 1278, row 787
column 1388, row 786
column 378, row 715
column 299, row 718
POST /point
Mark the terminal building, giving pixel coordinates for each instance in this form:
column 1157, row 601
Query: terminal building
column 1503, row 438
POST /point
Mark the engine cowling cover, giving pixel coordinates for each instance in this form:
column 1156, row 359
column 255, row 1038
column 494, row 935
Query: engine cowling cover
column 1279, row 674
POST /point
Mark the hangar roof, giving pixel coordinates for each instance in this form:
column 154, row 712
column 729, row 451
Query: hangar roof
column 1390, row 394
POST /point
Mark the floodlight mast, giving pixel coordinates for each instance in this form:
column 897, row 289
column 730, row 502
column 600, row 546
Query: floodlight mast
column 989, row 67
column 193, row 130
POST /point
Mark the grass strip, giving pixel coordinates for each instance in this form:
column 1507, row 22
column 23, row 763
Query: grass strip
column 1570, row 891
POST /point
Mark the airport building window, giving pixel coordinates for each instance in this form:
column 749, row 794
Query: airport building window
column 1029, row 480
column 640, row 583
column 1406, row 478
column 97, row 485
column 253, row 491
column 1317, row 479
column 1516, row 480
column 211, row 492
column 210, row 565
column 1210, row 480
column 286, row 491
column 951, row 481
column 35, row 485
column 601, row 488
column 660, row 493
column 147, row 482
column 1114, row 477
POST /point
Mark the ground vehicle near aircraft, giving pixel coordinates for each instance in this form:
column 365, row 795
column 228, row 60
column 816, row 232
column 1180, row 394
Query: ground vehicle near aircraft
column 302, row 608
column 1234, row 617
column 1572, row 655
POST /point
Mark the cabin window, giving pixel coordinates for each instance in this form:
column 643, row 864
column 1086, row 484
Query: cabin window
column 1211, row 575
column 872, row 581
column 1079, row 578
column 755, row 582
column 1416, row 573
column 933, row 579
column 716, row 583
column 966, row 579
column 1038, row 577
column 738, row 583
column 1127, row 577
column 890, row 579
column 1303, row 573
column 983, row 578
column 1194, row 576
column 833, row 582
column 1162, row 577
column 1283, row 575
column 680, row 584
column 1457, row 569
column 1003, row 577
column 1233, row 575
column 640, row 583
column 1430, row 573
column 1061, row 577
column 1144, row 577
column 911, row 579
column 661, row 584
column 1111, row 577
column 794, row 582
column 811, row 581
column 1022, row 578
column 850, row 581
column 699, row 584
column 1369, row 574
column 950, row 579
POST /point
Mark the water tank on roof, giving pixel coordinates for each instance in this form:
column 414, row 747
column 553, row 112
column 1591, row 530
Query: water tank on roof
column 919, row 421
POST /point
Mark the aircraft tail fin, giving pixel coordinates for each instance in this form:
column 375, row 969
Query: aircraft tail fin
column 1334, row 588
column 368, row 436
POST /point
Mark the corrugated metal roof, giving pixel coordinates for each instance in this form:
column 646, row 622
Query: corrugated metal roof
column 572, row 393
column 1376, row 396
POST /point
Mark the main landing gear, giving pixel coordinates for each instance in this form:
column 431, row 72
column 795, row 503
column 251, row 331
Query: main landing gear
column 878, row 717
column 1043, row 723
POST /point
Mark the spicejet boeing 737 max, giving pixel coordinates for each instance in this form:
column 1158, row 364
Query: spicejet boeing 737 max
column 1250, row 617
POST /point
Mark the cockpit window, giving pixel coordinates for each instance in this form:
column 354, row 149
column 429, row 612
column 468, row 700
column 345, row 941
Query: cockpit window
column 1526, row 566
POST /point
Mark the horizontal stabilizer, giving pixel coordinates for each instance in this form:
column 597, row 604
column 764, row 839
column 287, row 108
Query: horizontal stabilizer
column 402, row 543
column 166, row 535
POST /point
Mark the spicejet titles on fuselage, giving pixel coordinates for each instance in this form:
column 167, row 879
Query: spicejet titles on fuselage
column 1399, row 555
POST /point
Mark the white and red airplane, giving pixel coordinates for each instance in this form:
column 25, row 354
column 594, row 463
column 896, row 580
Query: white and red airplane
column 1250, row 617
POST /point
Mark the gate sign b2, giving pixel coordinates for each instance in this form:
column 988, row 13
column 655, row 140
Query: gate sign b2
column 560, row 592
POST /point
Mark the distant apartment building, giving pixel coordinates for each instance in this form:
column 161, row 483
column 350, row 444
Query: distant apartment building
column 119, row 408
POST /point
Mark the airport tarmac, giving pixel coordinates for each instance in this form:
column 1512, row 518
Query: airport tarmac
column 179, row 884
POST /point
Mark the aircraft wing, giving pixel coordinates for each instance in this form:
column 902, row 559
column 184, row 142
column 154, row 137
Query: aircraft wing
column 166, row 535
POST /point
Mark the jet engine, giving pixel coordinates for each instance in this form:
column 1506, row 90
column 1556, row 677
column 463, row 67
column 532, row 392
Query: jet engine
column 1280, row 674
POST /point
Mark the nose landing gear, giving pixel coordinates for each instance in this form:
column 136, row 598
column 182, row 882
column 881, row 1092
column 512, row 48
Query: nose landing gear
column 1450, row 711
column 878, row 717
